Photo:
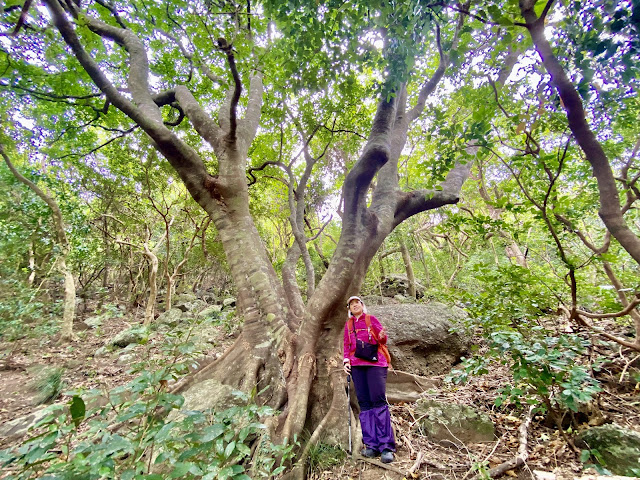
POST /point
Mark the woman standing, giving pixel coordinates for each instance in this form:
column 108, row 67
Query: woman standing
column 368, row 367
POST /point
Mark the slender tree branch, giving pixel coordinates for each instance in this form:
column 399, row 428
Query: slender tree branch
column 227, row 48
column 610, row 210
column 23, row 18
column 95, row 149
column 342, row 130
column 41, row 95
column 114, row 11
column 262, row 167
column 545, row 12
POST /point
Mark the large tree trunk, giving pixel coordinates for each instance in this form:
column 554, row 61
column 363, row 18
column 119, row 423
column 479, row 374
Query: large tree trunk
column 287, row 344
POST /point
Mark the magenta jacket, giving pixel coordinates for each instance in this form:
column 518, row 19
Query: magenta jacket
column 360, row 327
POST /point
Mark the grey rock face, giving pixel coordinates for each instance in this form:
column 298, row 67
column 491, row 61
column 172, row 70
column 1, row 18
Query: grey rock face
column 419, row 338
column 184, row 298
column 393, row 285
column 191, row 306
column 18, row 428
column 210, row 311
column 229, row 303
column 619, row 448
column 126, row 359
column 102, row 352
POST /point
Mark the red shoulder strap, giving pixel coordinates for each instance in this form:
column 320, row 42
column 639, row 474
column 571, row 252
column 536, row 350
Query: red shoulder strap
column 383, row 348
column 367, row 319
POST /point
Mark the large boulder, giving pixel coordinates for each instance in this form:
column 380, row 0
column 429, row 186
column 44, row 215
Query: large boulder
column 208, row 296
column 186, row 305
column 210, row 312
column 229, row 302
column 618, row 448
column 94, row 322
column 184, row 298
column 420, row 337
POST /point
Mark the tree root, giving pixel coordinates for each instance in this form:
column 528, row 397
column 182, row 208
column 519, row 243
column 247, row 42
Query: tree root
column 313, row 440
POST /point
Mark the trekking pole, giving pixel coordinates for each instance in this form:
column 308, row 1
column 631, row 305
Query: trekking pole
column 349, row 408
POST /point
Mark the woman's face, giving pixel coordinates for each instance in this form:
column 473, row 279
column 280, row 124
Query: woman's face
column 355, row 306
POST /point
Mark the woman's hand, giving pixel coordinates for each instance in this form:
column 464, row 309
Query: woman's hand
column 347, row 366
column 382, row 336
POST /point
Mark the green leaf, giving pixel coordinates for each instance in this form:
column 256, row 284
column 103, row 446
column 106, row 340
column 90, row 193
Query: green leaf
column 229, row 450
column 77, row 408
column 180, row 469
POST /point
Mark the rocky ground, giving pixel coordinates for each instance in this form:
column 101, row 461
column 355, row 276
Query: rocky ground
column 22, row 360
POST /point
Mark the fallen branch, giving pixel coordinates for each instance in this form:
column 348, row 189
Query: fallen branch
column 415, row 466
column 409, row 446
column 378, row 463
column 520, row 458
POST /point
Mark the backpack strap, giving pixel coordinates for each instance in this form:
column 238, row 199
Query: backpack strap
column 383, row 348
column 350, row 329
column 367, row 320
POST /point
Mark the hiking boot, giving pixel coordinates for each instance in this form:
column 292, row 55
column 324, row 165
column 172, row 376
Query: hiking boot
column 369, row 452
column 387, row 456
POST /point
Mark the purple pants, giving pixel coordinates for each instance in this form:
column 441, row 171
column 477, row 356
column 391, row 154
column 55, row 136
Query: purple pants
column 375, row 420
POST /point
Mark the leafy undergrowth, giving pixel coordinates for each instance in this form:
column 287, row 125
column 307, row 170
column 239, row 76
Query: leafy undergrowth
column 24, row 359
column 547, row 450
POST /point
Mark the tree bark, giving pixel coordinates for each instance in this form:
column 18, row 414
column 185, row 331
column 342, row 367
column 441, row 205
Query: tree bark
column 69, row 308
column 32, row 263
column 408, row 265
column 153, row 285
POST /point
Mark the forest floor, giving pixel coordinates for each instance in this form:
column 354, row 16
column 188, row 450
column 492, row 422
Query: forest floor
column 23, row 359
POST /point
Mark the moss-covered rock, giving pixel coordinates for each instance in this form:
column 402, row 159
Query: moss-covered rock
column 210, row 394
column 454, row 423
column 137, row 334
column 171, row 317
column 614, row 447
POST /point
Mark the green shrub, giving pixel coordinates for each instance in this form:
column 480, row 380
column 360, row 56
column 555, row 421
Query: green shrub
column 73, row 443
column 19, row 306
column 131, row 436
column 546, row 370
